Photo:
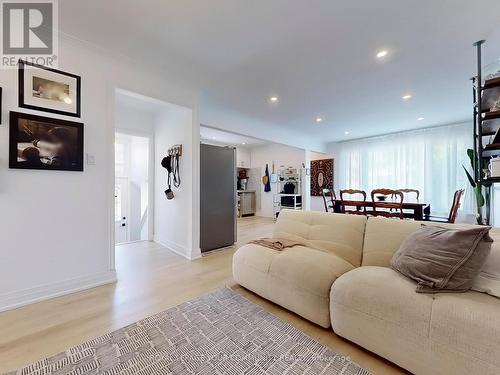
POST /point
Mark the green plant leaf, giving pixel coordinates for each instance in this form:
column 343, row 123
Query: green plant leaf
column 471, row 154
column 470, row 178
column 478, row 190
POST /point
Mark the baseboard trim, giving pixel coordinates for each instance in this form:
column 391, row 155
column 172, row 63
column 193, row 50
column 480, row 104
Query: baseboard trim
column 14, row 300
column 179, row 250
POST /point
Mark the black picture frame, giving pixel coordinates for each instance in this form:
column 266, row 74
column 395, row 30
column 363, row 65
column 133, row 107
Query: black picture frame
column 22, row 64
column 75, row 163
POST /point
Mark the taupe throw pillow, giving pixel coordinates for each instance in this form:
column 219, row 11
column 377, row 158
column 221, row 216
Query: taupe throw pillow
column 441, row 259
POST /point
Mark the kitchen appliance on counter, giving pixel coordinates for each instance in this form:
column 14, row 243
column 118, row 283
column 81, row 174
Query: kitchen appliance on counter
column 243, row 184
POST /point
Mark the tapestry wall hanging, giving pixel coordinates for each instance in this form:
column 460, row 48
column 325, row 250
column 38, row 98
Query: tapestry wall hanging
column 321, row 176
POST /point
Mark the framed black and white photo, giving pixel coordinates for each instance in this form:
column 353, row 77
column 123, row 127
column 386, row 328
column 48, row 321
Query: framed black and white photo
column 38, row 142
column 49, row 90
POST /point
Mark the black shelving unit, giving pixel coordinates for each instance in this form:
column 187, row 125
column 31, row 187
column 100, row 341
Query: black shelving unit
column 486, row 123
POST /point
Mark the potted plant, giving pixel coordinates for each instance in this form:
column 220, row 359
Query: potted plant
column 482, row 191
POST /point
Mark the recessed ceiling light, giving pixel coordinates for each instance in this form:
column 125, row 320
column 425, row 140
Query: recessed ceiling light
column 346, row 132
column 273, row 99
column 244, row 143
column 407, row 97
column 319, row 119
column 381, row 54
column 214, row 137
column 420, row 119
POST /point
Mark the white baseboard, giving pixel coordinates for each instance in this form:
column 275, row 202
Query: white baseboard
column 179, row 250
column 13, row 300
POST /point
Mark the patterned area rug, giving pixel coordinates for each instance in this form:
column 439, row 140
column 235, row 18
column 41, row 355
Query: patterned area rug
column 218, row 333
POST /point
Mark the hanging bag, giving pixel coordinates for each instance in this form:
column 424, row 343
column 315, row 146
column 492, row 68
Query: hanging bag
column 167, row 164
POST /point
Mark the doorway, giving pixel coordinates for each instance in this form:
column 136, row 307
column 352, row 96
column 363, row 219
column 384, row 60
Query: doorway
column 132, row 154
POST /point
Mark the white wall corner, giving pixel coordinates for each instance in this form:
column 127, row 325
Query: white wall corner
column 195, row 254
column 306, row 181
column 190, row 254
column 16, row 299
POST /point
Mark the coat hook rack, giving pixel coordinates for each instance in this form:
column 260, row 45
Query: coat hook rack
column 175, row 150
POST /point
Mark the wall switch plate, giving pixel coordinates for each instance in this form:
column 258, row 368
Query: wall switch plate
column 90, row 159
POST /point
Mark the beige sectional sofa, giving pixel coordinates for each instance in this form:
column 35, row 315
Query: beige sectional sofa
column 341, row 278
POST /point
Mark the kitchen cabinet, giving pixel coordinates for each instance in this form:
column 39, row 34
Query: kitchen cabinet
column 246, row 203
column 242, row 157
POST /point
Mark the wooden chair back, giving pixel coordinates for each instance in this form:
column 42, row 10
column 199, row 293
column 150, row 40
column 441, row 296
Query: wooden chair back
column 329, row 199
column 359, row 209
column 457, row 198
column 410, row 191
column 394, row 208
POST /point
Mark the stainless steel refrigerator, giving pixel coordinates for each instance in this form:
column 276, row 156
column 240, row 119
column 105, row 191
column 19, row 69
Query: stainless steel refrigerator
column 217, row 197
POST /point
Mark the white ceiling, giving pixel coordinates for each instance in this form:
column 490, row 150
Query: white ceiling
column 318, row 56
column 223, row 138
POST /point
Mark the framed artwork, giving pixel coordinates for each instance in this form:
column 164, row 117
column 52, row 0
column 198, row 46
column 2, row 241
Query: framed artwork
column 321, row 176
column 37, row 142
column 49, row 90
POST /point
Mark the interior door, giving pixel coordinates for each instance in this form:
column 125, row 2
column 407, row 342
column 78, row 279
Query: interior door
column 121, row 210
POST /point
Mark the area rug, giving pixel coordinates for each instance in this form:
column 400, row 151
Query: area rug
column 218, row 333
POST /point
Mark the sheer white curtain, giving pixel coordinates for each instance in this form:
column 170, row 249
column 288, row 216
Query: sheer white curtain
column 429, row 160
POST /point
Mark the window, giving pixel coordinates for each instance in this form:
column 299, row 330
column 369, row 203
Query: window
column 429, row 160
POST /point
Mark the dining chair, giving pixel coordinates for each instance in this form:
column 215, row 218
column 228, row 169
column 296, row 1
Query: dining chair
column 455, row 205
column 329, row 199
column 360, row 209
column 394, row 208
column 410, row 191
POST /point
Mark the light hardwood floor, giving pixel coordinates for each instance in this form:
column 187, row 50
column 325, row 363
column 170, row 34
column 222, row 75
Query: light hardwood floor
column 151, row 279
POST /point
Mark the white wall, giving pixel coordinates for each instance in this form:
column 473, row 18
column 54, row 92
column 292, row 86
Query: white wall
column 130, row 120
column 282, row 155
column 491, row 49
column 57, row 227
column 174, row 224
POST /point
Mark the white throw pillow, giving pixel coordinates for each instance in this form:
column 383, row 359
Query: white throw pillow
column 488, row 280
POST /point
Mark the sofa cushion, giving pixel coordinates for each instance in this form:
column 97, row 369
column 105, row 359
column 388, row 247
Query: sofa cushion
column 383, row 237
column 341, row 235
column 297, row 278
column 384, row 294
column 488, row 281
column 443, row 259
column 467, row 324
column 441, row 334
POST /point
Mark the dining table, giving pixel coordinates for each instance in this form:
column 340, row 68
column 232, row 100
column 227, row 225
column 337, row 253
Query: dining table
column 412, row 208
